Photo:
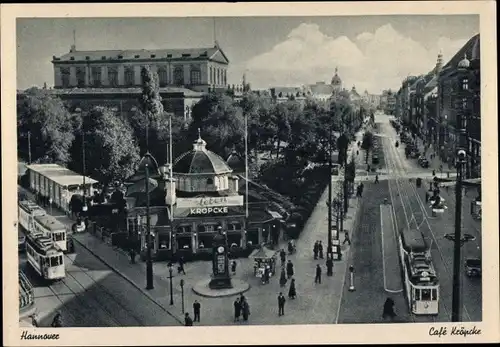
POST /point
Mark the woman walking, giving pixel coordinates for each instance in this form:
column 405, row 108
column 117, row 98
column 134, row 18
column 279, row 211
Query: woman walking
column 292, row 292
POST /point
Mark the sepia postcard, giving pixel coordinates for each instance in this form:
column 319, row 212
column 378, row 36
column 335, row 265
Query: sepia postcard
column 250, row 173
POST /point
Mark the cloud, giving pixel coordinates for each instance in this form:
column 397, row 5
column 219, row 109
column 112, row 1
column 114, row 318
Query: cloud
column 373, row 61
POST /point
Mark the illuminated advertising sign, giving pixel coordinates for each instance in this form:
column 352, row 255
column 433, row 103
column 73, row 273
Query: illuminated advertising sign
column 209, row 206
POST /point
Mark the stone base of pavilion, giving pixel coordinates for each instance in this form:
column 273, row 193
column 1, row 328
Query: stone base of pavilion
column 202, row 288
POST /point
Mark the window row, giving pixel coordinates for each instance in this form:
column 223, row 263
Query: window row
column 218, row 76
column 95, row 76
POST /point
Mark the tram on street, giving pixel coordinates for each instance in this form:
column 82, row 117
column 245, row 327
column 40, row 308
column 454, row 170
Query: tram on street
column 45, row 257
column 420, row 278
column 27, row 210
column 50, row 227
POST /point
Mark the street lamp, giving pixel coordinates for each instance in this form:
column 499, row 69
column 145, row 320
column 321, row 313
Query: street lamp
column 170, row 269
column 182, row 294
column 149, row 262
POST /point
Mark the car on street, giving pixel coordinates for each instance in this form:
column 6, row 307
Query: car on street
column 473, row 267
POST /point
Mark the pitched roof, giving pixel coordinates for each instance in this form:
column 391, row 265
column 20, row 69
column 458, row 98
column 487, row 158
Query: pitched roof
column 324, row 89
column 471, row 49
column 155, row 54
column 263, row 252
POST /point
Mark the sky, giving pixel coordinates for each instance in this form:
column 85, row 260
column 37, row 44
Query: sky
column 371, row 52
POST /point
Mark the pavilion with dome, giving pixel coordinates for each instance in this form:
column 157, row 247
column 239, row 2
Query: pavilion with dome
column 190, row 202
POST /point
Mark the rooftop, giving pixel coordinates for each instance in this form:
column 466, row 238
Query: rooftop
column 125, row 90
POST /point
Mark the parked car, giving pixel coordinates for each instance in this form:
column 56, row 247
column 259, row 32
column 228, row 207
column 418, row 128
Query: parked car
column 21, row 239
column 424, row 163
column 473, row 267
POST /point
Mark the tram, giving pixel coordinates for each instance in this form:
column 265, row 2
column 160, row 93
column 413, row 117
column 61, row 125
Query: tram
column 50, row 227
column 27, row 210
column 420, row 279
column 45, row 256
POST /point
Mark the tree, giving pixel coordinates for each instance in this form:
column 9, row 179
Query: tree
column 110, row 148
column 49, row 124
column 367, row 143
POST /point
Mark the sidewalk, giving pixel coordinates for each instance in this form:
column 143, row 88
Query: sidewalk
column 315, row 303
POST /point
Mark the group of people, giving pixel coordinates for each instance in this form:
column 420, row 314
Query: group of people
column 241, row 308
column 318, row 250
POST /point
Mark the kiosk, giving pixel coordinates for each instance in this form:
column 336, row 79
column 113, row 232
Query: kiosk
column 264, row 257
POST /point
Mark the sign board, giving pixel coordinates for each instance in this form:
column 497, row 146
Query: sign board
column 208, row 211
column 221, row 262
column 208, row 201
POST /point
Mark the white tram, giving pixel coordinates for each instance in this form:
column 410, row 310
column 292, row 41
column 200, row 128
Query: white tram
column 421, row 282
column 50, row 227
column 45, row 256
column 27, row 210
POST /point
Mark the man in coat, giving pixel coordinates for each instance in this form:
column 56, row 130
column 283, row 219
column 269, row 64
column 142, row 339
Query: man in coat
column 320, row 250
column 187, row 320
column 315, row 250
column 317, row 278
column 283, row 256
column 281, row 304
column 237, row 309
column 289, row 269
column 196, row 311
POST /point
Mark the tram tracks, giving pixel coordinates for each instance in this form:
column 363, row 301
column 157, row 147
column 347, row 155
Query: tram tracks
column 101, row 301
column 404, row 185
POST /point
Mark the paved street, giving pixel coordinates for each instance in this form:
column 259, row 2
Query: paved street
column 410, row 207
column 92, row 295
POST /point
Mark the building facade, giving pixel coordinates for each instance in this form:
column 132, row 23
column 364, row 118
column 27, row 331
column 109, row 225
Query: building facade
column 113, row 77
column 388, row 102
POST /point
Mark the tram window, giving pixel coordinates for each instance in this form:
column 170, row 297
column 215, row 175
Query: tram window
column 56, row 261
column 426, row 294
column 434, row 294
column 417, row 294
column 58, row 236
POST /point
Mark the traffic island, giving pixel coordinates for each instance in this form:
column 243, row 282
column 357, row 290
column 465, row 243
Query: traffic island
column 202, row 288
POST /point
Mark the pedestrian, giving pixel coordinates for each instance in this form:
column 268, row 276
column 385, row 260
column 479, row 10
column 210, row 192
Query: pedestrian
column 427, row 196
column 368, row 168
column 245, row 308
column 187, row 320
column 132, row 255
column 237, row 309
column 315, row 250
column 282, row 277
column 196, row 310
column 357, row 152
column 180, row 268
column 289, row 269
column 292, row 293
column 34, row 320
column 320, row 249
column 265, row 276
column 346, row 238
column 317, row 278
column 57, row 321
column 376, row 178
column 71, row 245
column 233, row 267
column 281, row 304
column 329, row 265
column 388, row 309
column 283, row 256
column 433, row 172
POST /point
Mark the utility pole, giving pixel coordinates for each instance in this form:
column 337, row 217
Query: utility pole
column 149, row 263
column 29, row 147
column 330, row 206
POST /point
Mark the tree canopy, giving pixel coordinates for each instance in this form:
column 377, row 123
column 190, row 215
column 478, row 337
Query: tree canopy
column 49, row 124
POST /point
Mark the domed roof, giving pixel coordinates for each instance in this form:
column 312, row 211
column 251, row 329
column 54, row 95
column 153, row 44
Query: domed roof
column 200, row 161
column 235, row 162
column 464, row 63
column 336, row 79
column 140, row 172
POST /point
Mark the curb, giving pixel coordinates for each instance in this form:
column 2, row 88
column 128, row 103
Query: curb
column 142, row 290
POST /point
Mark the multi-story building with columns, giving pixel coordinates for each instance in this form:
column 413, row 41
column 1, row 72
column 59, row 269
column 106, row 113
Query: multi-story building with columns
column 114, row 76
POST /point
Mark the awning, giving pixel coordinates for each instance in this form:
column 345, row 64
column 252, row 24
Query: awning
column 275, row 214
column 263, row 253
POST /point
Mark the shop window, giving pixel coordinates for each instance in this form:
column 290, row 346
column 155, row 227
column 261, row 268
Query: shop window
column 234, row 240
column 234, row 226
column 184, row 228
column 183, row 242
column 205, row 241
column 164, row 241
column 253, row 236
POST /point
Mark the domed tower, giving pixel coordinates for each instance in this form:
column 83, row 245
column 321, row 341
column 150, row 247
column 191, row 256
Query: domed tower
column 202, row 171
column 336, row 82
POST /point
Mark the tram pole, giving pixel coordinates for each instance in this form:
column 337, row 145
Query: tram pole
column 149, row 263
column 330, row 206
column 455, row 310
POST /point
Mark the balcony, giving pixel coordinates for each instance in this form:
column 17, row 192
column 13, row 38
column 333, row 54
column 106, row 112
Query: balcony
column 26, row 297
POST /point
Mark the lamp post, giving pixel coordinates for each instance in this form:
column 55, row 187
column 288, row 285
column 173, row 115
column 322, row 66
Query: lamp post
column 29, row 147
column 170, row 277
column 149, row 262
column 329, row 250
column 182, row 294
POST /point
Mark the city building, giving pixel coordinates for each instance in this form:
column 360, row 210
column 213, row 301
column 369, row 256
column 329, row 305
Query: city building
column 372, row 100
column 388, row 102
column 459, row 104
column 113, row 77
column 186, row 211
